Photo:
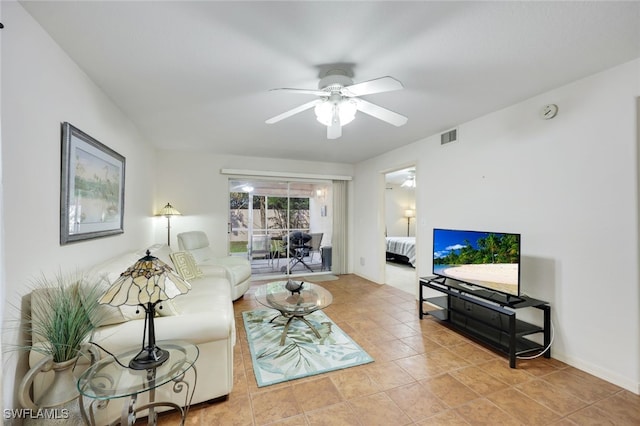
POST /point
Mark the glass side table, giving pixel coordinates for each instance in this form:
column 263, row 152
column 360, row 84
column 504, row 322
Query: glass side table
column 107, row 379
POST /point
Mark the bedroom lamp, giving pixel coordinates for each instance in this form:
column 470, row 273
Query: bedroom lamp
column 409, row 213
column 148, row 282
column 168, row 211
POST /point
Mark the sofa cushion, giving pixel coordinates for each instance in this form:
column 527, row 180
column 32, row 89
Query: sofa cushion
column 167, row 309
column 238, row 269
column 185, row 265
column 192, row 240
column 161, row 251
column 197, row 243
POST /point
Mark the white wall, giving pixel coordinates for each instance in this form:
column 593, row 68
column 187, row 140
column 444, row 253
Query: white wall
column 398, row 199
column 319, row 223
column 569, row 185
column 42, row 87
column 192, row 182
column 369, row 207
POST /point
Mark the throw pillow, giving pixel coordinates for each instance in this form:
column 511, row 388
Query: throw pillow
column 185, row 265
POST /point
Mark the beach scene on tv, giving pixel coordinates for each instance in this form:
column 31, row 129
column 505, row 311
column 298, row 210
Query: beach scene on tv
column 482, row 258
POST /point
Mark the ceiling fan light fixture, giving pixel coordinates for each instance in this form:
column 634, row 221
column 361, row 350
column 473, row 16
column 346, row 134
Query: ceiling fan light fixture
column 410, row 182
column 347, row 112
column 339, row 100
column 346, row 109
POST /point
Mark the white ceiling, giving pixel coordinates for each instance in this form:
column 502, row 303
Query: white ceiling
column 195, row 75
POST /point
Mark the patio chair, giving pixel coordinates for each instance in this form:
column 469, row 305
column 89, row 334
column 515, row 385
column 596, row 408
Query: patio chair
column 314, row 244
column 260, row 247
column 278, row 250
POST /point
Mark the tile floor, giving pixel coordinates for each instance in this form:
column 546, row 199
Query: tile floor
column 402, row 276
column 423, row 374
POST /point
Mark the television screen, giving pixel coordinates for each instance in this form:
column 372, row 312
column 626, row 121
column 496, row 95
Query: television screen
column 487, row 259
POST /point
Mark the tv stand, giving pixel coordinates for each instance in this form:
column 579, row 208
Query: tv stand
column 469, row 287
column 487, row 316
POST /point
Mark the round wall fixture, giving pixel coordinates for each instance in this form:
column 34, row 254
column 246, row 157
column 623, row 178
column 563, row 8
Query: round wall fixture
column 549, row 111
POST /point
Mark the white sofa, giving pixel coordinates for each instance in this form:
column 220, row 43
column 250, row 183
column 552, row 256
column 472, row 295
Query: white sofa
column 204, row 316
column 236, row 269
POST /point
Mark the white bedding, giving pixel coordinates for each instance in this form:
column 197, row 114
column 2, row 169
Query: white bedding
column 405, row 246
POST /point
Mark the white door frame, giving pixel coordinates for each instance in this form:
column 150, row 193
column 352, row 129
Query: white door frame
column 383, row 222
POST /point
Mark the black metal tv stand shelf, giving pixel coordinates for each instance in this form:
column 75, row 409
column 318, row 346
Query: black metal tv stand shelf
column 487, row 316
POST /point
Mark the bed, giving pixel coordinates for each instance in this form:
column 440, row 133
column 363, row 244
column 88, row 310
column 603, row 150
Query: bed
column 402, row 248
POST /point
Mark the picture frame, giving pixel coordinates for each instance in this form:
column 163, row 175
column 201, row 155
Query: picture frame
column 91, row 188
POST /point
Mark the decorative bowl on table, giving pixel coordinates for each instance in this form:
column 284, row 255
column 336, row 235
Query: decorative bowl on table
column 293, row 286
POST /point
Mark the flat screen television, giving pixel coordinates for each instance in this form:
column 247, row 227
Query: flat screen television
column 490, row 260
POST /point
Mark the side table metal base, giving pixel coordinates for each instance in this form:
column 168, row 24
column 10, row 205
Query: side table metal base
column 110, row 379
column 129, row 409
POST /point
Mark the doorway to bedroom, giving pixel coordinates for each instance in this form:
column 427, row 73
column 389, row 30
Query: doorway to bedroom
column 400, row 229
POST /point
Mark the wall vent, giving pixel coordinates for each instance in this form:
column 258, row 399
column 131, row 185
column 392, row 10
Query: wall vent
column 448, row 137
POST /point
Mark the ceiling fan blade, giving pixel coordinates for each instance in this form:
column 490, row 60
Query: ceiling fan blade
column 293, row 111
column 334, row 130
column 381, row 113
column 302, row 91
column 378, row 85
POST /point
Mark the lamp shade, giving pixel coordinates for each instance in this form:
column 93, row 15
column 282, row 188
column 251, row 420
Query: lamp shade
column 169, row 210
column 345, row 108
column 149, row 280
column 409, row 213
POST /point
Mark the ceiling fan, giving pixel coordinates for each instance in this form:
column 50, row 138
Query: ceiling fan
column 339, row 101
column 410, row 181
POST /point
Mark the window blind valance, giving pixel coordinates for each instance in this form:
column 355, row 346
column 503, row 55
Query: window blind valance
column 288, row 175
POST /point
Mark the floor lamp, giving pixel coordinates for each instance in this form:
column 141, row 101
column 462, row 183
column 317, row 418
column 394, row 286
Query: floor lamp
column 168, row 211
column 409, row 213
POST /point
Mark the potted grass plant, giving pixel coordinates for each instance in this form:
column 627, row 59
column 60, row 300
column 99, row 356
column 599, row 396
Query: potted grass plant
column 64, row 312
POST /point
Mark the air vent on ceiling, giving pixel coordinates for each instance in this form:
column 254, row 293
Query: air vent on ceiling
column 450, row 136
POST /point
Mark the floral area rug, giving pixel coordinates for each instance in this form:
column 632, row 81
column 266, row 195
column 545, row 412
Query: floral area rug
column 302, row 354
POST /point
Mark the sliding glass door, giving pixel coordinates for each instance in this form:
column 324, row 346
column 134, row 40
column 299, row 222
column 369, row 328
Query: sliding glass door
column 265, row 214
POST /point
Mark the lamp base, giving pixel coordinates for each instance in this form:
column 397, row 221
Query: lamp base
column 149, row 357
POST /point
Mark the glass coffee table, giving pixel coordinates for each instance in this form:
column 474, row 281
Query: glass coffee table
column 294, row 304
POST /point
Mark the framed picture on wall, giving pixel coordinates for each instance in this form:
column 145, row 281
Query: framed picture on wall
column 91, row 188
